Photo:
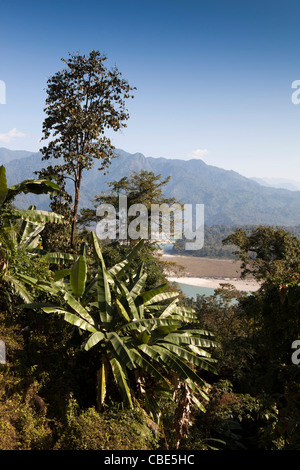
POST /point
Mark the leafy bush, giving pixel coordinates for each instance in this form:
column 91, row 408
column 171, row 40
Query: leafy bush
column 23, row 422
column 110, row 430
column 236, row 422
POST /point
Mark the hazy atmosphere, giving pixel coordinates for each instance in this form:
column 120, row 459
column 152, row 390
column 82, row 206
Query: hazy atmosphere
column 214, row 79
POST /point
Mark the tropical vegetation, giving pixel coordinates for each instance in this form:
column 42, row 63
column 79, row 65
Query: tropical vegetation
column 102, row 353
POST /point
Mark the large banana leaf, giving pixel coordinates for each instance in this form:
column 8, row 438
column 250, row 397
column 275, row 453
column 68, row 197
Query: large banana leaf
column 121, row 379
column 104, row 296
column 187, row 339
column 59, row 258
column 28, row 234
column 72, row 319
column 78, row 308
column 94, row 339
column 128, row 300
column 3, row 185
column 148, row 295
column 175, row 363
column 119, row 269
column 45, row 286
column 122, row 311
column 169, row 309
column 131, row 328
column 40, row 186
column 101, row 382
column 121, row 350
column 150, row 323
column 78, row 276
column 37, row 216
column 147, row 366
column 160, row 297
column 18, row 287
column 138, row 285
column 97, row 251
column 187, row 355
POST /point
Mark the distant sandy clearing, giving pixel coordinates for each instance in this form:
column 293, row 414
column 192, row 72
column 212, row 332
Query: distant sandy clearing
column 208, row 272
column 246, row 285
column 204, row 267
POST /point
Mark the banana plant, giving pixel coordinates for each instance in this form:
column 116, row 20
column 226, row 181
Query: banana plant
column 138, row 334
column 35, row 186
column 22, row 228
column 33, row 220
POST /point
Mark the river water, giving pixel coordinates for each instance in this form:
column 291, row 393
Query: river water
column 188, row 290
column 193, row 291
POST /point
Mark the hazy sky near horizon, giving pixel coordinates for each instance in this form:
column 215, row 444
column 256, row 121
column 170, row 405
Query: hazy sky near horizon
column 214, row 78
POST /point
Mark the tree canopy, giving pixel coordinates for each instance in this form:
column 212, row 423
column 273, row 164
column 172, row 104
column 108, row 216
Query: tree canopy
column 84, row 100
column 141, row 187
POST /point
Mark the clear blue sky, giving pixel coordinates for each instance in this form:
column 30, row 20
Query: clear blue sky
column 213, row 77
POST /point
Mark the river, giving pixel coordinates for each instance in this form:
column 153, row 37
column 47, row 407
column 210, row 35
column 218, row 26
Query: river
column 193, row 291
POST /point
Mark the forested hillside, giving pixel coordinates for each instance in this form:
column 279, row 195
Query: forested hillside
column 228, row 197
column 213, row 241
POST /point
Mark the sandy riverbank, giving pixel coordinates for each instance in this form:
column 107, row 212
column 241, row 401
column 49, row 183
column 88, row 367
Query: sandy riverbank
column 194, row 266
column 207, row 272
column 247, row 285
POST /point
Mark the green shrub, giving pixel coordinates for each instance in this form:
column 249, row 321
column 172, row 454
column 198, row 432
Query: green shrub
column 110, row 430
column 235, row 422
column 23, row 423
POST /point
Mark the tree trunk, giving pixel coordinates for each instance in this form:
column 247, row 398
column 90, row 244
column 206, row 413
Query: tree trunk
column 102, row 375
column 75, row 211
column 182, row 414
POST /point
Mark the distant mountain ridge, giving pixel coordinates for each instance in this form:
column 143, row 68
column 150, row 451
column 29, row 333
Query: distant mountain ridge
column 229, row 198
column 282, row 183
column 7, row 155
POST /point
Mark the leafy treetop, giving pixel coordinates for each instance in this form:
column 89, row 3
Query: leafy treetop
column 83, row 100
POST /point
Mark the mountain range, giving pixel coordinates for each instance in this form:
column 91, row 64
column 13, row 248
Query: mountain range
column 283, row 183
column 228, row 197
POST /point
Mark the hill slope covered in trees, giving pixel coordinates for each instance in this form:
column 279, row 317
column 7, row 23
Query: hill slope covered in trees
column 229, row 198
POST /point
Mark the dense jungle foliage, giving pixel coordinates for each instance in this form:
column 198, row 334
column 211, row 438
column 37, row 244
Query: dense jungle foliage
column 213, row 243
column 97, row 350
column 102, row 354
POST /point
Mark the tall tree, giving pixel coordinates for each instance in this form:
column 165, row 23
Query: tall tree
column 143, row 187
column 272, row 256
column 268, row 253
column 83, row 101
